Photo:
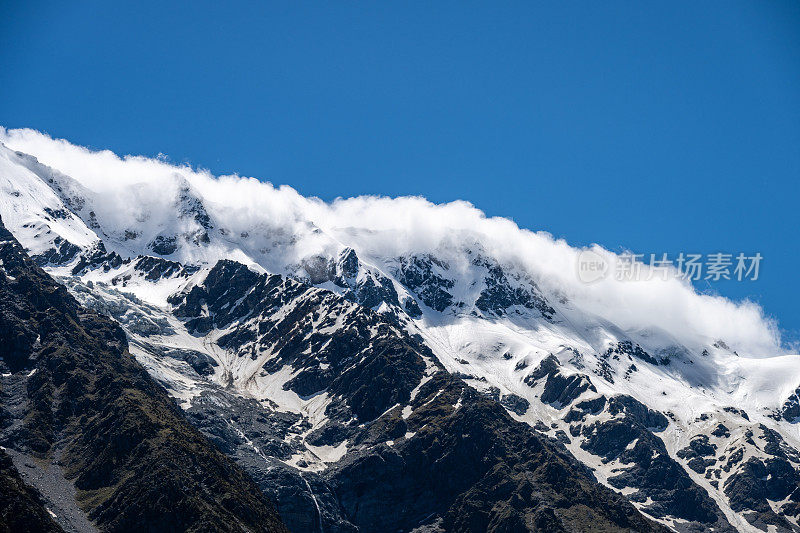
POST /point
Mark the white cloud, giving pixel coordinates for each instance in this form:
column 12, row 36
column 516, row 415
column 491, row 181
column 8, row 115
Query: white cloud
column 138, row 191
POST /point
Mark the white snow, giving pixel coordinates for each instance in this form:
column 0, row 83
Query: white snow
column 329, row 454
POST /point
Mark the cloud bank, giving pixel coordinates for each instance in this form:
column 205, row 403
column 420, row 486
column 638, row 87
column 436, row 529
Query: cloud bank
column 136, row 191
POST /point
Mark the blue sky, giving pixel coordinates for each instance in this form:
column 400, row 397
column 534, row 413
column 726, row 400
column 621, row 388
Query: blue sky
column 655, row 127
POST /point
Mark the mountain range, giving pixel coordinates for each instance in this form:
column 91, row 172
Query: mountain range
column 184, row 351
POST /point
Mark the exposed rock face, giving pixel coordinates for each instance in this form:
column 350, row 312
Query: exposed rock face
column 262, row 441
column 365, row 286
column 164, row 245
column 61, row 253
column 411, row 307
column 421, row 276
column 97, row 257
column 559, row 389
column 370, row 368
column 622, row 430
column 190, row 207
column 628, row 439
column 290, row 321
column 84, row 404
column 155, row 268
column 773, row 477
column 499, row 294
column 451, row 456
column 790, row 411
column 475, row 469
column 629, row 349
column 652, row 472
column 700, row 453
column 515, row 404
column 246, row 304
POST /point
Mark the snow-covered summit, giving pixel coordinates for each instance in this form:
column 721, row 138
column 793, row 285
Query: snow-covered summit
column 141, row 206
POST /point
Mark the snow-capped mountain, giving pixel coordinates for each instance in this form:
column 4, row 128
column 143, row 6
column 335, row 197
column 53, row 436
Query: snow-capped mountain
column 266, row 314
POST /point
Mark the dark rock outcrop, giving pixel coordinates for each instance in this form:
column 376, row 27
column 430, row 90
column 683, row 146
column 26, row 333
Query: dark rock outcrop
column 499, row 295
column 559, row 389
column 629, row 439
column 97, row 257
column 164, row 245
column 419, row 275
column 476, row 470
column 629, row 349
column 61, row 253
column 758, row 481
column 790, row 410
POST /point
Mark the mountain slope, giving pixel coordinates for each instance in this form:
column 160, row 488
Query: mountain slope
column 74, row 399
column 21, row 507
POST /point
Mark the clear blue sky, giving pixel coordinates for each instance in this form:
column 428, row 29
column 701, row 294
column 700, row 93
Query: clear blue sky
column 655, row 126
